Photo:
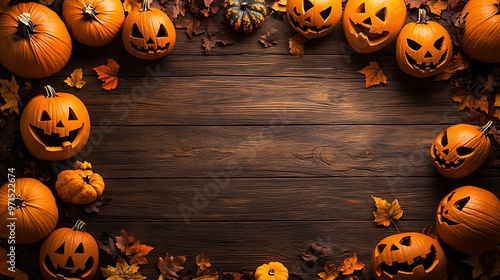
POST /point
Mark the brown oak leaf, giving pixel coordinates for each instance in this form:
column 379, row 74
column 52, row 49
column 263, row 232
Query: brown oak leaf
column 108, row 74
column 122, row 270
column 437, row 6
column 486, row 265
column 386, row 212
column 123, row 241
column 373, row 75
column 297, row 45
column 170, row 265
column 109, row 247
column 330, row 272
column 351, row 264
column 270, row 38
column 138, row 252
column 457, row 63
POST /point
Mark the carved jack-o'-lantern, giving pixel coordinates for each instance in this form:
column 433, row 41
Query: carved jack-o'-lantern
column 148, row 33
column 69, row 253
column 460, row 149
column 55, row 126
column 468, row 220
column 370, row 25
column 314, row 18
column 408, row 256
column 423, row 48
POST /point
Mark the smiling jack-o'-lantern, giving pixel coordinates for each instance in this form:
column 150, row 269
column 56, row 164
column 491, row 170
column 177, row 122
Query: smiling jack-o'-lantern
column 468, row 220
column 371, row 25
column 408, row 256
column 314, row 18
column 423, row 48
column 460, row 149
column 69, row 253
column 148, row 33
column 55, row 126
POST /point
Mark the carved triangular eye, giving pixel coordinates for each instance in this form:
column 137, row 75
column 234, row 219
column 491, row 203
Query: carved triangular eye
column 413, row 45
column 136, row 32
column 325, row 14
column 162, row 32
column 394, row 247
column 45, row 116
column 381, row 14
column 308, row 5
column 450, row 197
column 405, row 241
column 444, row 139
column 381, row 248
column 79, row 249
column 461, row 203
column 60, row 250
column 361, row 9
column 72, row 116
column 439, row 43
column 463, row 151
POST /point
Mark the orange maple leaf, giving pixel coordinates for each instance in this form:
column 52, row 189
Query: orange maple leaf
column 386, row 212
column 331, row 272
column 351, row 264
column 437, row 6
column 108, row 74
column 373, row 74
column 296, row 44
column 170, row 265
column 138, row 252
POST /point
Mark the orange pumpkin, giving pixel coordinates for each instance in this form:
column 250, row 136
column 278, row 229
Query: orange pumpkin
column 32, row 205
column 55, row 126
column 409, row 256
column 468, row 220
column 314, row 18
column 69, row 253
column 93, row 22
column 480, row 36
column 423, row 48
column 271, row 271
column 79, row 186
column 148, row 33
column 370, row 25
column 460, row 149
column 34, row 41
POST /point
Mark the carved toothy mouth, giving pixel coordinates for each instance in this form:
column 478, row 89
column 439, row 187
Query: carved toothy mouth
column 424, row 67
column 53, row 139
column 441, row 162
column 307, row 29
column 66, row 271
column 363, row 31
column 428, row 262
column 150, row 50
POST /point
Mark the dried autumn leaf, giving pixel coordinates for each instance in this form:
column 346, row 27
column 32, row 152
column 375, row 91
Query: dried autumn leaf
column 75, row 79
column 437, row 6
column 108, row 74
column 203, row 262
column 331, row 272
column 373, row 74
column 138, row 252
column 47, row 2
column 351, row 264
column 8, row 270
column 129, row 5
column 191, row 24
column 497, row 100
column 170, row 265
column 279, row 6
column 207, row 276
column 85, row 165
column 123, row 241
column 320, row 250
column 386, row 213
column 109, row 247
column 457, row 63
column 486, row 265
column 430, row 230
column 415, row 3
column 296, row 44
column 270, row 38
column 9, row 92
column 492, row 83
column 122, row 270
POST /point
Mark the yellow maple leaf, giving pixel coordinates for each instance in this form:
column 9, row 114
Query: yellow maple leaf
column 75, row 79
column 129, row 5
column 351, row 264
column 386, row 213
column 486, row 265
column 373, row 75
column 279, row 6
column 122, row 271
column 330, row 273
column 9, row 92
column 203, row 261
column 296, row 44
column 85, row 165
column 437, row 6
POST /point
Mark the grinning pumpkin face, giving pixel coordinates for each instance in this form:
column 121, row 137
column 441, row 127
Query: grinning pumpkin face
column 56, row 126
column 423, row 48
column 468, row 220
column 371, row 25
column 314, row 18
column 148, row 33
column 407, row 256
column 69, row 253
column 460, row 149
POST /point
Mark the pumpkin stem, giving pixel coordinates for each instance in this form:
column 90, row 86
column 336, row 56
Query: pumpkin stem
column 485, row 128
column 422, row 16
column 86, row 179
column 79, row 225
column 25, row 27
column 50, row 91
column 271, row 272
column 244, row 5
column 146, row 6
column 89, row 13
column 18, row 201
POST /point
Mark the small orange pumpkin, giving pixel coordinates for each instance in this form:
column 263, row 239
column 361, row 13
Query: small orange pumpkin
column 80, row 186
column 468, row 220
column 460, row 149
column 34, row 41
column 314, row 18
column 32, row 205
column 423, row 48
column 409, row 256
column 271, row 271
column 55, row 126
column 93, row 22
column 69, row 253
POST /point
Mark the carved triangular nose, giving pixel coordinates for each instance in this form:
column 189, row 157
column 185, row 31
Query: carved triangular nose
column 446, row 151
column 60, row 124
column 150, row 41
column 427, row 54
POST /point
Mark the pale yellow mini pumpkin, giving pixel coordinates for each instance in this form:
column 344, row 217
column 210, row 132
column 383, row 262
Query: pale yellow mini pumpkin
column 271, row 271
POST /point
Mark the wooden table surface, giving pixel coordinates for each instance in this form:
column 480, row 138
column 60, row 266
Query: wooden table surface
column 250, row 154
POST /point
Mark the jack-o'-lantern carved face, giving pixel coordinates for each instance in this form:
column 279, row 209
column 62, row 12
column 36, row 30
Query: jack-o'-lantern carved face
column 148, row 33
column 468, row 220
column 423, row 48
column 460, row 149
column 370, row 25
column 407, row 256
column 56, row 126
column 69, row 253
column 314, row 18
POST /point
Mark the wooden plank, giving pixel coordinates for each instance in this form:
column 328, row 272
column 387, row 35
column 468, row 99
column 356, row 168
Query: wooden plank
column 263, row 151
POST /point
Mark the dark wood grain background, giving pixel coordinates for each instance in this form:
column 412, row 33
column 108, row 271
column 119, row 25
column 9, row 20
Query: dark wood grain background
column 250, row 154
